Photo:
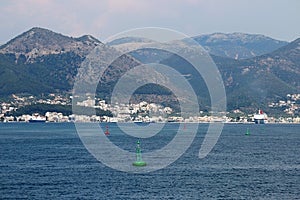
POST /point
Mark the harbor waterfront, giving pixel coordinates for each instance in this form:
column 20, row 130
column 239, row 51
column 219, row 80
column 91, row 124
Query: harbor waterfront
column 21, row 109
column 59, row 118
column 48, row 160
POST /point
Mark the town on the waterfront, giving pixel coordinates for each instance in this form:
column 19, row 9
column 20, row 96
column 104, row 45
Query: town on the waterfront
column 58, row 108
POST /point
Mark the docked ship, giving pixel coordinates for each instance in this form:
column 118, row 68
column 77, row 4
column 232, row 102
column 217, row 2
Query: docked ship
column 37, row 118
column 260, row 117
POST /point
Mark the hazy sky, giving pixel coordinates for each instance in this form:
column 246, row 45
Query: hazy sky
column 279, row 19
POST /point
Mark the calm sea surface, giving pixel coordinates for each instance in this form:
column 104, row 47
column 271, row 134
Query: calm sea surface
column 49, row 161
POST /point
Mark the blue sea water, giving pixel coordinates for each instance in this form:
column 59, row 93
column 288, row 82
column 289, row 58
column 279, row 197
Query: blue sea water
column 49, row 161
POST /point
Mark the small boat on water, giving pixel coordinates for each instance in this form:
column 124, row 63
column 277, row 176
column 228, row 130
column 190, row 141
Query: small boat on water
column 36, row 118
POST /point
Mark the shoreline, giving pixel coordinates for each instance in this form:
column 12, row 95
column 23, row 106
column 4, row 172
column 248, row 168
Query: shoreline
column 244, row 123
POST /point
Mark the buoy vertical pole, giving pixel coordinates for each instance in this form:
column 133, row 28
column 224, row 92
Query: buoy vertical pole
column 247, row 132
column 138, row 153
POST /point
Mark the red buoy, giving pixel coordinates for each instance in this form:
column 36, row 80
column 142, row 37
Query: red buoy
column 106, row 132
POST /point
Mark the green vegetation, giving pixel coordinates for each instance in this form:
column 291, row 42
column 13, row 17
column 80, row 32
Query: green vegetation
column 64, row 109
column 152, row 88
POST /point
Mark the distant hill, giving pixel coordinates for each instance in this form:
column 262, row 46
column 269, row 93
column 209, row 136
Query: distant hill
column 238, row 45
column 42, row 61
column 251, row 83
column 229, row 45
column 284, row 63
column 14, row 78
column 39, row 42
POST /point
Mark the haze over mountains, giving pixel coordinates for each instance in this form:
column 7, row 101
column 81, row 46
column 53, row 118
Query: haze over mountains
column 238, row 45
column 256, row 69
column 232, row 45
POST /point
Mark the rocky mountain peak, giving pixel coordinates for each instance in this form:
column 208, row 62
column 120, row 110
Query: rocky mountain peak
column 37, row 42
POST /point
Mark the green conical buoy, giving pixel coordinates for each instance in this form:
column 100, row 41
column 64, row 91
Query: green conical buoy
column 139, row 162
column 247, row 132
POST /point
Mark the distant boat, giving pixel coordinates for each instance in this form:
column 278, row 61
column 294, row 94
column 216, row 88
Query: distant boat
column 170, row 119
column 260, row 117
column 37, row 118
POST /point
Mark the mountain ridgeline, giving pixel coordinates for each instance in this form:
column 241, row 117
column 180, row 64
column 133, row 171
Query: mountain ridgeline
column 238, row 45
column 255, row 69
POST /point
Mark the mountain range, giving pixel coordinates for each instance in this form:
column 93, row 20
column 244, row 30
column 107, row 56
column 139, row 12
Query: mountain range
column 238, row 45
column 256, row 69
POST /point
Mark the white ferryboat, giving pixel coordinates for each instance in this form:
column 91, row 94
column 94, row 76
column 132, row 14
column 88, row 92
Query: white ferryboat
column 260, row 117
